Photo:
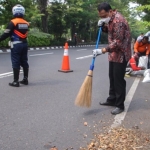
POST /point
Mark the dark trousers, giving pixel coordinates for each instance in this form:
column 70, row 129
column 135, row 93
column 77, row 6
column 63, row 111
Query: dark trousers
column 148, row 65
column 117, row 90
column 19, row 55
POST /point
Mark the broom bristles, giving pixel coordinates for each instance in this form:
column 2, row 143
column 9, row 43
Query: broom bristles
column 84, row 96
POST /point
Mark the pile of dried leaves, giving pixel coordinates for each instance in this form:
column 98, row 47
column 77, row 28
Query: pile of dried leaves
column 120, row 139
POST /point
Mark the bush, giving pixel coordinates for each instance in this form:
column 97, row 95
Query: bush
column 58, row 42
column 35, row 38
column 71, row 43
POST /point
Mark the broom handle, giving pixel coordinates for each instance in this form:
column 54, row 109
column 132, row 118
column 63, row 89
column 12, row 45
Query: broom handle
column 98, row 38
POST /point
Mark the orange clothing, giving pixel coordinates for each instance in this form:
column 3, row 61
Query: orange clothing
column 133, row 64
column 141, row 48
column 19, row 20
column 21, row 27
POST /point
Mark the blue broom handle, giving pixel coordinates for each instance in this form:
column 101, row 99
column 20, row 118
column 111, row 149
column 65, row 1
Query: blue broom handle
column 98, row 38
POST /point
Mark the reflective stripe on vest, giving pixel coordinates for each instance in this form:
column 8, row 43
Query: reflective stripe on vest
column 20, row 34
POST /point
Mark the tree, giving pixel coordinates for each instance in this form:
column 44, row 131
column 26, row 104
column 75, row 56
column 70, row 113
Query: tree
column 143, row 10
column 42, row 5
column 31, row 11
column 56, row 24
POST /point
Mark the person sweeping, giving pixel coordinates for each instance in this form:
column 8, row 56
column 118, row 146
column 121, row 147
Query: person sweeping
column 119, row 53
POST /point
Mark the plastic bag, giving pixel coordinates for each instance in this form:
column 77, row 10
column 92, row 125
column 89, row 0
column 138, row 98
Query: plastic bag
column 143, row 60
column 147, row 76
column 146, row 71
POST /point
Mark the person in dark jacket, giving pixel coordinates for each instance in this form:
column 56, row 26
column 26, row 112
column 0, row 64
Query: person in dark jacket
column 119, row 53
column 17, row 30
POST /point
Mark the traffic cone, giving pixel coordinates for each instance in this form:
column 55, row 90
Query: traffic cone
column 65, row 63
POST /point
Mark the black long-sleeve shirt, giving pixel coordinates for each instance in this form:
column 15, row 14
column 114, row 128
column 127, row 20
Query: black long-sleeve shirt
column 8, row 31
column 16, row 28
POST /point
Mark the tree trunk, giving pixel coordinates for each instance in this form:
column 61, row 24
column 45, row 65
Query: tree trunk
column 73, row 30
column 44, row 21
column 44, row 18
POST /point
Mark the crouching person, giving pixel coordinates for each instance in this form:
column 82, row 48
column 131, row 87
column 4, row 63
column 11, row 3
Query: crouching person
column 134, row 69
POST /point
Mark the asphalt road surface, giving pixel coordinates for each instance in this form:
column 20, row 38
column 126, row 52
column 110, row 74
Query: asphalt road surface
column 43, row 115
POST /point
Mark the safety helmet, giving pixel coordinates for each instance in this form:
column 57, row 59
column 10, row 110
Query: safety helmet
column 18, row 10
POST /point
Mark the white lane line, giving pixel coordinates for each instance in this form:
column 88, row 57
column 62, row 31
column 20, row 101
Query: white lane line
column 3, row 75
column 81, row 49
column 6, row 76
column 41, row 54
column 120, row 117
column 85, row 57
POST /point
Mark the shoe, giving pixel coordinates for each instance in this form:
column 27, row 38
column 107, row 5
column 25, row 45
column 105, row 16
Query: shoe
column 25, row 78
column 117, row 110
column 24, row 81
column 126, row 75
column 106, row 103
column 14, row 83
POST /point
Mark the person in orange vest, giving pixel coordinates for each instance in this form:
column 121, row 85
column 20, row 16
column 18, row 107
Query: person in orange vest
column 142, row 47
column 17, row 30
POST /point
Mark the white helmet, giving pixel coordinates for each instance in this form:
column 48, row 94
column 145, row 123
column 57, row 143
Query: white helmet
column 18, row 10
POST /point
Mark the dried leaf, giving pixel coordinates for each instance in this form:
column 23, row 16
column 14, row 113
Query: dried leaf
column 85, row 124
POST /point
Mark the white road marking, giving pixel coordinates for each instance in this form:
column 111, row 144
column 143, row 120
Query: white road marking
column 6, row 76
column 120, row 117
column 85, row 57
column 41, row 54
column 81, row 49
column 3, row 75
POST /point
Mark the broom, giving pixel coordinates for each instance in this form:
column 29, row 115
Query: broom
column 84, row 96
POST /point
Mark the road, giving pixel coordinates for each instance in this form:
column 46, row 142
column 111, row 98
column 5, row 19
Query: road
column 43, row 115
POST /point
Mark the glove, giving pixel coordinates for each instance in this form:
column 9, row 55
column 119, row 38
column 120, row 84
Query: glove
column 97, row 52
column 101, row 23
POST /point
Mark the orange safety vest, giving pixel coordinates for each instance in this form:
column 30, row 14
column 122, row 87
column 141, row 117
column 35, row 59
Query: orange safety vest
column 17, row 21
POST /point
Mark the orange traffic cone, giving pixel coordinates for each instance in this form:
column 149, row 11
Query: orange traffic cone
column 65, row 63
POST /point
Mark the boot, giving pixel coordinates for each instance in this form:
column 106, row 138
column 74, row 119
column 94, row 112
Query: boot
column 15, row 83
column 25, row 79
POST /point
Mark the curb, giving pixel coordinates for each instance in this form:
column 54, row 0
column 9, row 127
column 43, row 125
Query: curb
column 44, row 48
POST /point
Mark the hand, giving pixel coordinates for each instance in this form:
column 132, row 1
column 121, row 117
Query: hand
column 104, row 50
column 142, row 68
column 97, row 52
column 136, row 56
column 101, row 23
